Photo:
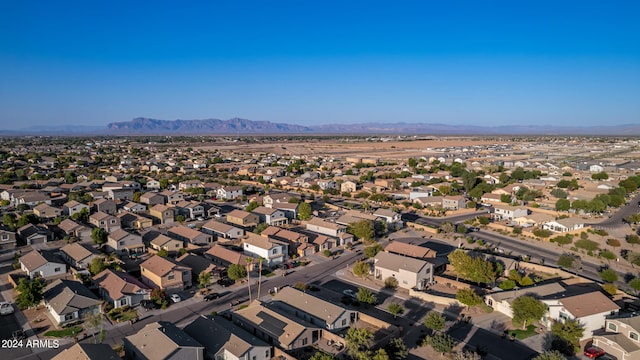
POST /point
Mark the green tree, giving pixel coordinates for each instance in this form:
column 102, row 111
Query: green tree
column 434, row 321
column 319, row 355
column 373, row 250
column 236, row 272
column 563, row 205
column 252, row 206
column 447, row 227
column 391, row 282
column 380, row 354
column 635, row 284
column 99, row 236
column 365, row 296
column 566, row 260
column 440, row 342
column 395, row 309
column 82, row 215
column 136, row 196
column 527, row 309
column 204, row 279
column 304, row 211
column 362, row 229
column 29, row 292
column 163, row 253
column 466, row 355
column 358, row 340
column 633, row 239
column 397, row 349
column 571, row 331
column 260, row 228
column 97, row 266
column 468, row 297
column 550, row 355
column 361, row 269
column 461, row 229
column 180, row 218
column 609, row 275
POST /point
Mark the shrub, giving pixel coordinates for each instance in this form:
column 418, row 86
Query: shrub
column 391, row 282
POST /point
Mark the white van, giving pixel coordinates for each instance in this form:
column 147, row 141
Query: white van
column 5, row 308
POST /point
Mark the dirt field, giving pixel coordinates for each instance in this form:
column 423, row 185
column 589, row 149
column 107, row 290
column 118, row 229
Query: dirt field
column 315, row 146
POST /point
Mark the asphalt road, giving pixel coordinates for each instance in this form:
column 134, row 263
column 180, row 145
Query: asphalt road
column 617, row 218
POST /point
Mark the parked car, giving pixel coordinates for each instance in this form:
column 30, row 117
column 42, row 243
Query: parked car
column 225, row 282
column 175, row 298
column 350, row 293
column 148, row 305
column 18, row 335
column 593, row 352
column 6, row 308
column 607, row 357
column 212, row 296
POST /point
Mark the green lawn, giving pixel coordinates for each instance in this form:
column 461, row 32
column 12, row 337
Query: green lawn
column 68, row 332
column 523, row 334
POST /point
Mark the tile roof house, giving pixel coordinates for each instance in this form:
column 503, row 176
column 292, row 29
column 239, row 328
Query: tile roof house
column 230, row 342
column 222, row 230
column 229, row 192
column 87, row 351
column 454, row 202
column 501, row 300
column 152, row 198
column 130, row 220
column 7, row 239
column 320, row 226
column 189, row 235
column 162, row 213
column 73, row 229
column 121, row 241
column 410, row 250
column 190, row 209
column 508, row 212
column 79, row 255
column 314, row 310
column 221, row 255
column 162, row 340
column 163, row 242
column 134, row 207
column 410, row 273
column 42, row 263
column 591, row 309
column 69, row 301
column 105, row 221
column 271, row 216
column 564, row 225
column 274, row 326
column 121, row 289
column 159, row 272
column 197, row 263
column 105, row 205
column 273, row 251
column 44, row 211
column 243, row 218
column 621, row 337
column 34, row 234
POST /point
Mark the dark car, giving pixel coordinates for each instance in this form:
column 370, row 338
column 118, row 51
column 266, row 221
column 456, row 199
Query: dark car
column 211, row 296
column 593, row 352
column 225, row 282
column 18, row 335
column 148, row 305
column 607, row 357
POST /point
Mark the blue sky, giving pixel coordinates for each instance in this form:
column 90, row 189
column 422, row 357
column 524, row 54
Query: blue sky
column 320, row 62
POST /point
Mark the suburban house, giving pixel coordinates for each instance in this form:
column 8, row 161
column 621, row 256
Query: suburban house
column 410, row 273
column 621, row 337
column 122, row 241
column 152, row 198
column 501, row 300
column 491, row 199
column 159, row 272
column 348, row 186
column 320, row 226
column 104, row 221
column 163, row 242
column 189, row 235
column 34, row 234
column 564, row 225
column 222, row 230
column 314, row 310
column 105, row 205
column 534, row 219
column 273, row 251
column 389, row 216
column 508, row 212
column 134, row 207
column 410, row 250
column 190, row 209
column 275, row 326
column 230, row 342
column 591, row 309
column 190, row 184
column 292, row 238
column 243, row 218
column 87, row 351
column 324, row 242
column 69, row 301
column 42, row 263
column 290, row 210
column 229, row 192
column 124, row 194
column 134, row 221
column 79, row 255
column 198, row 264
column 162, row 213
column 223, row 256
column 120, row 289
column 172, row 197
column 454, row 202
column 44, row 211
column 7, row 239
column 73, row 229
column 162, row 340
column 272, row 199
column 271, row 216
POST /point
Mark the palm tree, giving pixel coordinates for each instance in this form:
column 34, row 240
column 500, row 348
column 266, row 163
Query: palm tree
column 260, row 261
column 248, row 260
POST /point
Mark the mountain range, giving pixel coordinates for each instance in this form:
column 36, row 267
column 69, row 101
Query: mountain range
column 237, row 126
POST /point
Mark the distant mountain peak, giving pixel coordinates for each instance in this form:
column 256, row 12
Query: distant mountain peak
column 236, row 125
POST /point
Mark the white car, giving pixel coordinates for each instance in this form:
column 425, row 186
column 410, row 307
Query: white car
column 6, row 308
column 175, row 298
column 350, row 293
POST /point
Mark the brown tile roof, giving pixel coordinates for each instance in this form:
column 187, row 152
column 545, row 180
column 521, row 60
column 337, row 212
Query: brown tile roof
column 241, row 214
column 78, row 251
column 82, row 351
column 230, row 256
column 118, row 284
column 160, row 340
column 159, row 265
column 217, row 226
column 588, row 304
column 410, row 250
column 185, row 232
